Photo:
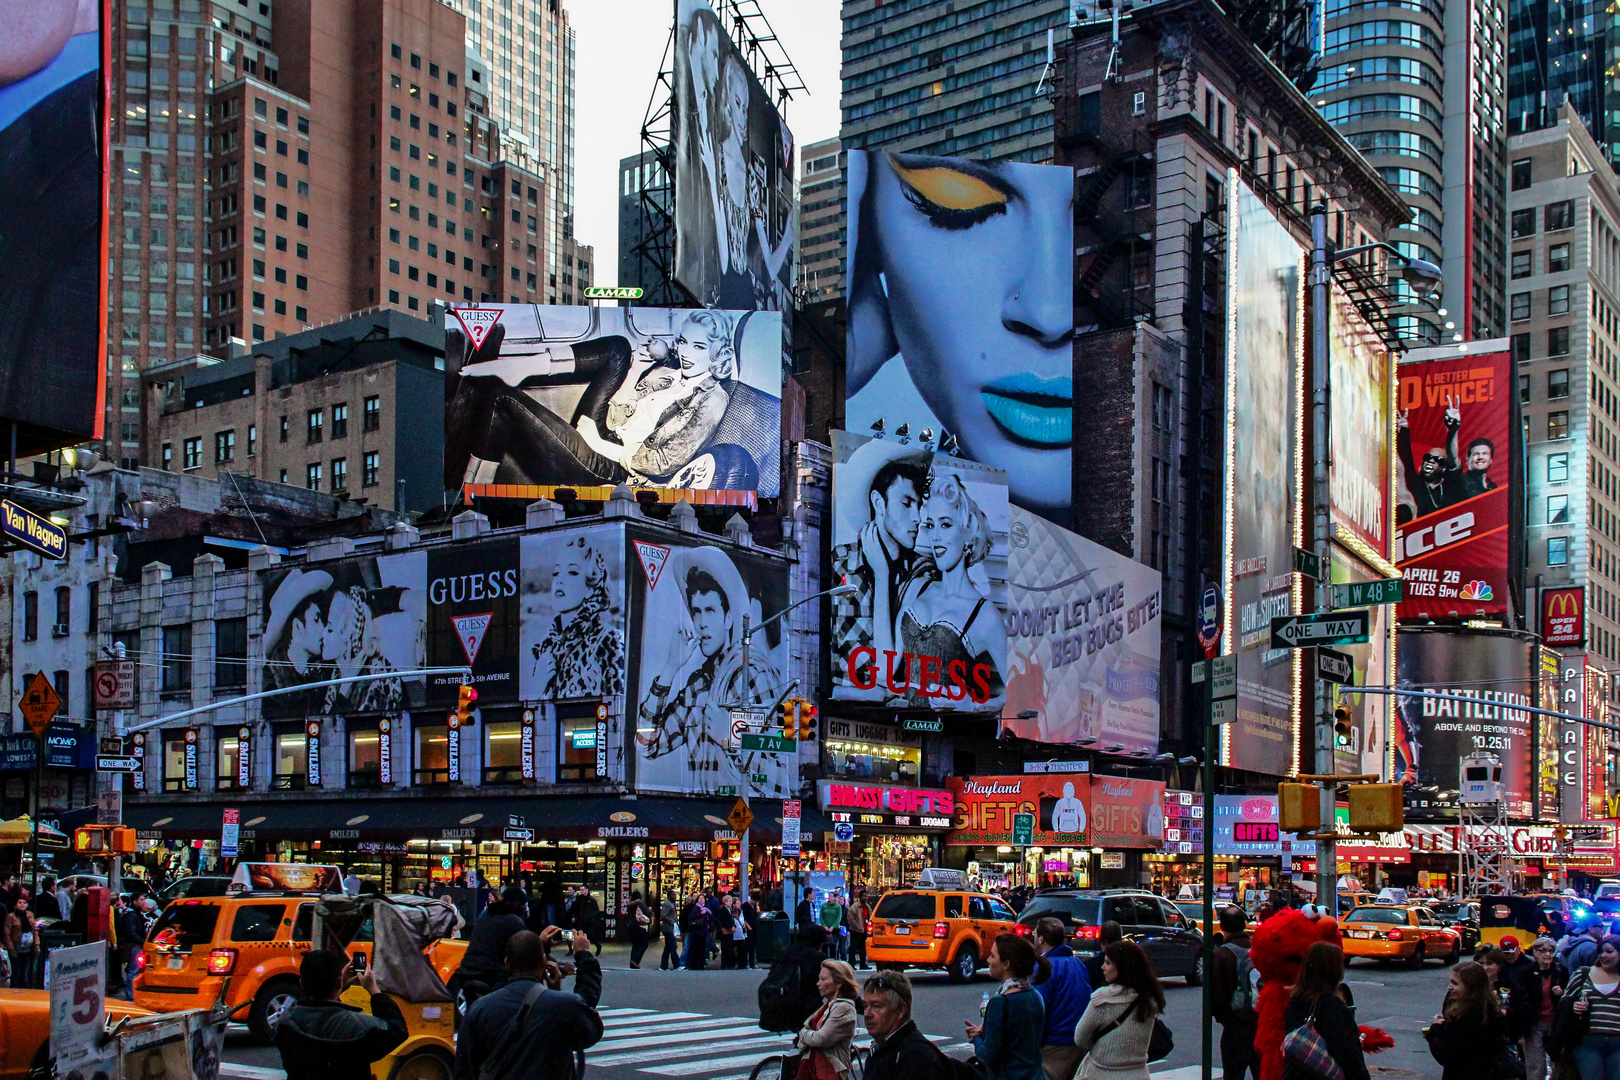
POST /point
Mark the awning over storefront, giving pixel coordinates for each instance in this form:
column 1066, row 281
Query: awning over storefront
column 548, row 817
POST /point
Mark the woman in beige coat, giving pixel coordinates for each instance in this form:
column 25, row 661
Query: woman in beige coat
column 831, row 1028
column 1117, row 1027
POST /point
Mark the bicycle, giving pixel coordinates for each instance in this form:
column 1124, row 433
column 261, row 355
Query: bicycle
column 786, row 1066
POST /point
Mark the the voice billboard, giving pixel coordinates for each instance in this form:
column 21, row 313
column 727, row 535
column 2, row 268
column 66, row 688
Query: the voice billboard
column 1452, row 427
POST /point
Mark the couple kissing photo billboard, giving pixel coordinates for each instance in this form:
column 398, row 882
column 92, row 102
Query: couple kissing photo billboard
column 923, row 537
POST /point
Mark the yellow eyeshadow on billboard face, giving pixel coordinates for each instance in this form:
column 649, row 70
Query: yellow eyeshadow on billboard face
column 948, row 188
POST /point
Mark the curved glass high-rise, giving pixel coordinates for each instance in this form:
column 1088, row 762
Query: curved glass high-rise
column 1418, row 87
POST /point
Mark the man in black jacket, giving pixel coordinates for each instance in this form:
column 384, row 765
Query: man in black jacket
column 485, row 959
column 321, row 1038
column 899, row 1050
column 557, row 1025
column 1239, row 1022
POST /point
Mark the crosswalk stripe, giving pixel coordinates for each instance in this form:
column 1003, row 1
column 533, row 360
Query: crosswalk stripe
column 655, row 1018
column 764, row 1043
column 717, row 1034
column 1187, row 1072
column 677, row 1025
column 694, row 1068
column 250, row 1072
column 605, row 1013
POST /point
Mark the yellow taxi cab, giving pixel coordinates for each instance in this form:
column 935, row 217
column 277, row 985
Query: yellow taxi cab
column 949, row 929
column 249, row 942
column 1411, row 934
column 25, row 1030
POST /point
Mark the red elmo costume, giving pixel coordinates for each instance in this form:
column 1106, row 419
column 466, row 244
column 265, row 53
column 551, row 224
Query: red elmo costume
column 1279, row 949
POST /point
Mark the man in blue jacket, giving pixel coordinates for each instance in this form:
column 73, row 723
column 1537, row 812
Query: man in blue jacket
column 1066, row 993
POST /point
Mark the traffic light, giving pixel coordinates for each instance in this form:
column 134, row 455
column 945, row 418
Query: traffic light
column 1342, row 730
column 790, row 718
column 807, row 719
column 104, row 840
column 1376, row 808
column 464, row 704
column 1299, row 808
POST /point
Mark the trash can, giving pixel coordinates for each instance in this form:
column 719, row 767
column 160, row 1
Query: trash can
column 773, row 935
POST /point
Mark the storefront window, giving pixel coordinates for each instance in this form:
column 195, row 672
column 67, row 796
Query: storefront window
column 432, row 754
column 292, row 759
column 503, row 752
column 576, row 744
column 365, row 755
column 174, row 761
column 227, row 748
column 857, row 750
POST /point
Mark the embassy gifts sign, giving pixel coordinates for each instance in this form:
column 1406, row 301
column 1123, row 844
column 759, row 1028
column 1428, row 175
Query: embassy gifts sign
column 1069, row 809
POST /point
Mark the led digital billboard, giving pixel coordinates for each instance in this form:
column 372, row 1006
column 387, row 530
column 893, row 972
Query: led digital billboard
column 1432, row 736
column 53, row 158
column 1363, row 390
column 735, row 215
column 923, row 536
column 1082, row 640
column 1452, row 436
column 1262, row 483
column 961, row 313
column 599, row 396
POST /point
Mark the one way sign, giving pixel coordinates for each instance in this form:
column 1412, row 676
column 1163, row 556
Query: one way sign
column 1326, row 628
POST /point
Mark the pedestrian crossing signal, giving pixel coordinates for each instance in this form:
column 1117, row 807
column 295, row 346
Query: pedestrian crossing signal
column 104, row 840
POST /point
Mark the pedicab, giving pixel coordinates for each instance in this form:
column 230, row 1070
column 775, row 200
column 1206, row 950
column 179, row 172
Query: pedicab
column 409, row 937
column 1521, row 917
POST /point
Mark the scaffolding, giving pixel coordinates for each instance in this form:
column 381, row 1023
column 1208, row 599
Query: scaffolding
column 766, row 56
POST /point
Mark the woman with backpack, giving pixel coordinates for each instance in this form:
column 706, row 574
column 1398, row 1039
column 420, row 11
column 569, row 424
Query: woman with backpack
column 1596, row 991
column 1315, row 1002
column 1117, row 1027
column 825, row 1038
column 1008, row 1041
column 1469, row 1038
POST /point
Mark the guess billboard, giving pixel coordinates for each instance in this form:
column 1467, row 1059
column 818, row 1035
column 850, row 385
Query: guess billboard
column 882, row 804
column 1453, row 426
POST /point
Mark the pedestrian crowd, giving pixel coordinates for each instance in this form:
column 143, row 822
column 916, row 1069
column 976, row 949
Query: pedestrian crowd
column 28, row 912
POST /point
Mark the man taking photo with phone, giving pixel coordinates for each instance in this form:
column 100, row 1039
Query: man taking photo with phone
column 322, row 1038
column 531, row 1027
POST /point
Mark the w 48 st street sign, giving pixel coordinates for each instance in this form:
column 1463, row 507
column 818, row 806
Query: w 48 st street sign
column 1325, row 628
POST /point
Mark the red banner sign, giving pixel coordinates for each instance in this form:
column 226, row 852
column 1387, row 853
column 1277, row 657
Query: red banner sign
column 1452, row 435
column 1563, row 616
column 1072, row 810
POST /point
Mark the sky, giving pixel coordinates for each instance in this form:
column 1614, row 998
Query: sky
column 618, row 45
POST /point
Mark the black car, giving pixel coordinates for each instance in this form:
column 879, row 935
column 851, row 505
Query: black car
column 1172, row 941
column 1462, row 916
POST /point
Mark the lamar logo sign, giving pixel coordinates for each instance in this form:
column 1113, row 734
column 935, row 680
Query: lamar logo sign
column 1563, row 616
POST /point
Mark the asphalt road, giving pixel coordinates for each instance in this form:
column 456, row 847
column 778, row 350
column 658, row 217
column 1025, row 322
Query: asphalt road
column 702, row 1023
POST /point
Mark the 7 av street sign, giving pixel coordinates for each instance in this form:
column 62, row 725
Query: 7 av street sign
column 1326, row 628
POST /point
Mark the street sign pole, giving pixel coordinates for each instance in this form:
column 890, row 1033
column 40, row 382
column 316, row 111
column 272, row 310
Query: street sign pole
column 1212, row 735
column 1321, row 276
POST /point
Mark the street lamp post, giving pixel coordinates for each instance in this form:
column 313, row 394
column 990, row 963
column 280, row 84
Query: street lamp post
column 843, row 589
column 1424, row 277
